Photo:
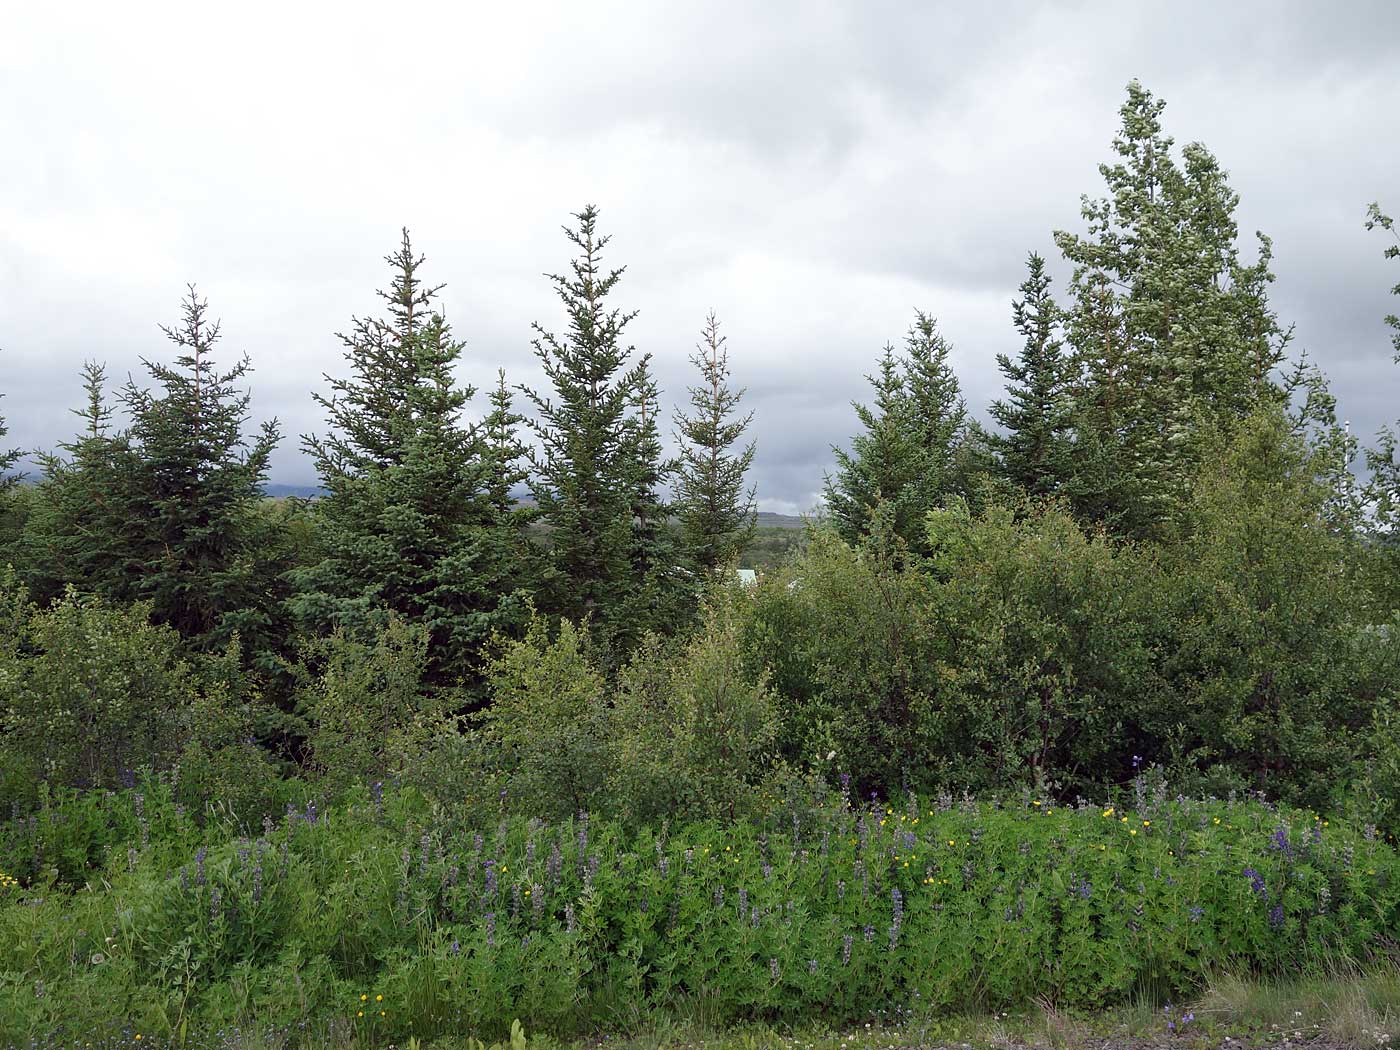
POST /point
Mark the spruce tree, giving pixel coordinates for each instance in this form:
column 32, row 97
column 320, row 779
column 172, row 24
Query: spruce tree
column 918, row 448
column 167, row 510
column 715, row 506
column 82, row 507
column 198, row 482
column 662, row 594
column 883, row 465
column 1034, row 452
column 1171, row 331
column 598, row 461
column 937, row 415
column 415, row 521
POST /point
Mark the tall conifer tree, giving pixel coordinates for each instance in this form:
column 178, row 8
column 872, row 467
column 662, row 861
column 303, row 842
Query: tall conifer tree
column 918, row 447
column 166, row 511
column 1037, row 413
column 200, row 481
column 415, row 520
column 81, row 507
column 713, row 501
column 1170, row 329
column 596, row 453
column 883, row 463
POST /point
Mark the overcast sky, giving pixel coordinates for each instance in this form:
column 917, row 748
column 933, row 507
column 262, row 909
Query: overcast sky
column 812, row 172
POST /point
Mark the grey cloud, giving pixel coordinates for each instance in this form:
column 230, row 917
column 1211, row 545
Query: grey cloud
column 813, row 173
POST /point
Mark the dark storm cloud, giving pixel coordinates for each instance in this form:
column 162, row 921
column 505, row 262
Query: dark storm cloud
column 814, row 173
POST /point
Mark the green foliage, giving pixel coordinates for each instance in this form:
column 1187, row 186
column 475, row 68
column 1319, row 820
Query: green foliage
column 549, row 719
column 692, row 723
column 414, row 523
column 1262, row 617
column 165, row 512
column 1382, row 490
column 716, row 514
column 90, row 692
column 918, row 446
column 1169, row 328
column 849, row 640
column 599, row 468
column 1045, row 647
column 1036, row 452
column 382, row 918
column 367, row 709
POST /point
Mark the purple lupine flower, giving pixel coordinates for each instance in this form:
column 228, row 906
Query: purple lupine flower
column 840, row 890
column 257, row 872
column 569, row 918
column 311, row 812
column 555, row 865
column 897, row 899
column 743, row 903
column 216, row 904
column 1257, row 882
column 490, row 929
column 845, row 791
column 491, row 882
column 1196, row 912
column 773, row 969
column 846, row 943
column 1279, row 842
column 456, row 948
column 812, row 966
column 1276, row 916
column 869, row 934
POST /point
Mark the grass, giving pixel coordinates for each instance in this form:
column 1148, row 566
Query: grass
column 1359, row 1009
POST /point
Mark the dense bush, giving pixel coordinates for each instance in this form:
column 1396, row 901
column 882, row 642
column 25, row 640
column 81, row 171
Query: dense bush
column 831, row 913
column 90, row 692
column 1027, row 649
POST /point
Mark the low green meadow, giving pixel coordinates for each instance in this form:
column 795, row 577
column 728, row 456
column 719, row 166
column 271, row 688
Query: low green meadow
column 387, row 918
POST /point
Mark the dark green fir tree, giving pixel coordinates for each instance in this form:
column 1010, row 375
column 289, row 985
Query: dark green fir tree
column 714, row 502
column 884, row 463
column 1037, row 415
column 598, row 461
column 414, row 521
